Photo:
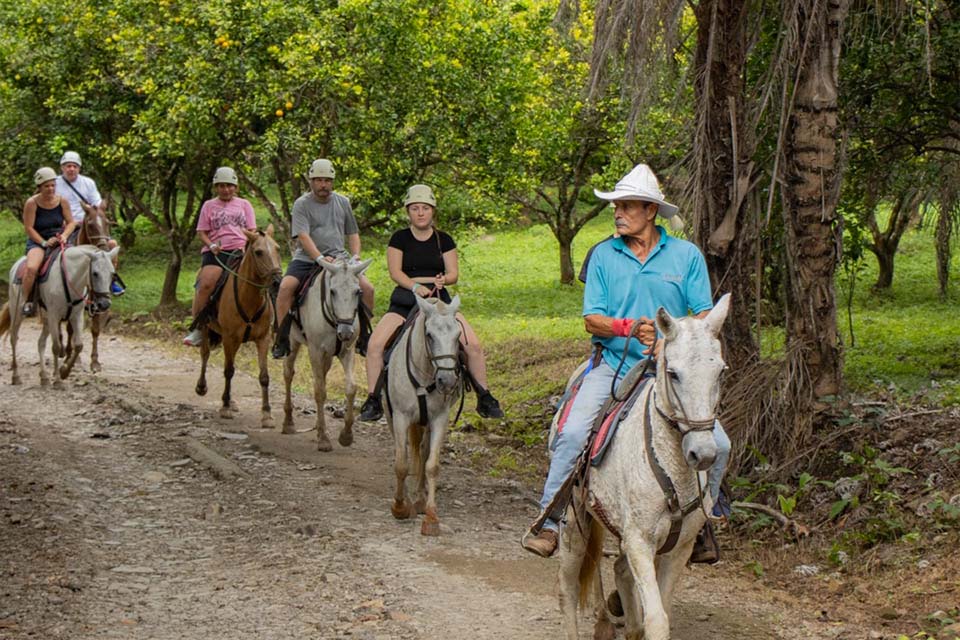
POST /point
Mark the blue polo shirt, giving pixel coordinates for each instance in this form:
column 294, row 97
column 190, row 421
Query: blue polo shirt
column 674, row 277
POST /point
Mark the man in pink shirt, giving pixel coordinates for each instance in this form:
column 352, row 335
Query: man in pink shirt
column 220, row 228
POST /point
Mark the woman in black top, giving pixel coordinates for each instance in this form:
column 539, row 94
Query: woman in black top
column 422, row 261
column 47, row 221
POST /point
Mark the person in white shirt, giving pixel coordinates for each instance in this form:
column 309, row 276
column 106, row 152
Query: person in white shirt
column 83, row 196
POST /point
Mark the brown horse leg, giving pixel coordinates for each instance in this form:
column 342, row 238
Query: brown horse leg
column 229, row 354
column 350, row 391
column 96, row 324
column 288, row 370
column 266, row 420
column 201, row 387
column 401, row 508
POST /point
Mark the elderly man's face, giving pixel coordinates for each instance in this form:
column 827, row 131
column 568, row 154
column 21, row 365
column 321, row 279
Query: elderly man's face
column 633, row 217
column 70, row 170
column 322, row 188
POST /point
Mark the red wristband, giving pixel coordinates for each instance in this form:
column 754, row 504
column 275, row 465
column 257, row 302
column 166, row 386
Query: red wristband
column 621, row 327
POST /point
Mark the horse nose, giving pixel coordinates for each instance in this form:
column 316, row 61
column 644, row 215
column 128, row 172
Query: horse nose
column 699, row 460
column 103, row 304
column 446, row 381
column 345, row 332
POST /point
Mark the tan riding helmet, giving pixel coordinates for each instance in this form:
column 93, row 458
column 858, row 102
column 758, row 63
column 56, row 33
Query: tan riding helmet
column 420, row 193
column 44, row 174
column 321, row 168
column 225, row 175
column 70, row 156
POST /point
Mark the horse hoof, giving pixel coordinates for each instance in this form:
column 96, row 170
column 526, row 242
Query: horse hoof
column 420, row 507
column 430, row 527
column 226, row 413
column 201, row 390
column 323, row 444
column 44, row 382
column 401, row 510
column 266, row 423
column 345, row 439
column 57, row 384
column 64, row 372
column 288, row 429
column 95, row 367
column 15, row 380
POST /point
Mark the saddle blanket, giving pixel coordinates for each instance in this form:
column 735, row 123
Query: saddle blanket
column 48, row 259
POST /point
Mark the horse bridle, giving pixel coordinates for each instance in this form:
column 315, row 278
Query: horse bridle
column 675, row 421
column 327, row 308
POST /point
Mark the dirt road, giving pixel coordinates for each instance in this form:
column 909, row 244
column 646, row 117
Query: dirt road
column 109, row 530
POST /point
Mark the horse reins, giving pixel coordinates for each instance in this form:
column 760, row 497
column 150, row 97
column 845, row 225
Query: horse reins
column 330, row 315
column 422, row 390
column 236, row 296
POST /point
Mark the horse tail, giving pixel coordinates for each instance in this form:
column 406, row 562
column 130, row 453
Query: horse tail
column 5, row 318
column 591, row 560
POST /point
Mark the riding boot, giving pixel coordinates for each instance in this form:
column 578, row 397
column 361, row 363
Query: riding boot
column 281, row 346
column 372, row 409
column 487, row 405
column 705, row 549
column 363, row 339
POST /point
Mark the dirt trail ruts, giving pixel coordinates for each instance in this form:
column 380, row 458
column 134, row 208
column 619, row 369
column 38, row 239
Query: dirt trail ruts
column 108, row 530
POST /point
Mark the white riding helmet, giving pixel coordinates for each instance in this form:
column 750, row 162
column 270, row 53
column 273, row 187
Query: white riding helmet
column 420, row 193
column 44, row 174
column 225, row 175
column 70, row 156
column 321, row 168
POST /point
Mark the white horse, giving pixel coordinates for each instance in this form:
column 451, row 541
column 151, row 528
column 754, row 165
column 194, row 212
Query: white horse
column 422, row 384
column 668, row 432
column 329, row 328
column 79, row 273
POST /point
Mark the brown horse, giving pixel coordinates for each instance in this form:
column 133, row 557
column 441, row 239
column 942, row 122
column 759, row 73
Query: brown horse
column 95, row 230
column 245, row 314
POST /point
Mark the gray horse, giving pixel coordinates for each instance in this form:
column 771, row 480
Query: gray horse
column 422, row 384
column 671, row 428
column 79, row 273
column 330, row 326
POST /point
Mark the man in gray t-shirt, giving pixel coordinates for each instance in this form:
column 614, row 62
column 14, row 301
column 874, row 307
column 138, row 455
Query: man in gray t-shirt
column 324, row 228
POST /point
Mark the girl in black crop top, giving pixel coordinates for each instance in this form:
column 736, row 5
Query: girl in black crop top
column 422, row 262
column 47, row 222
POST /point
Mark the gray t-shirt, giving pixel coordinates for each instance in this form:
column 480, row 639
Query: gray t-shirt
column 328, row 223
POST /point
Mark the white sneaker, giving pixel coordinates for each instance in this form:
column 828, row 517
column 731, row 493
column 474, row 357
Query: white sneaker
column 193, row 339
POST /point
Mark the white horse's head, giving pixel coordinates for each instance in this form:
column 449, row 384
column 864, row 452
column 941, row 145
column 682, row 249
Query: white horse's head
column 688, row 379
column 441, row 333
column 101, row 276
column 343, row 294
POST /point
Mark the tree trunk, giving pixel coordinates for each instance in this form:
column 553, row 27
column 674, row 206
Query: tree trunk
column 811, row 182
column 724, row 147
column 943, row 236
column 885, row 255
column 566, row 258
column 168, row 297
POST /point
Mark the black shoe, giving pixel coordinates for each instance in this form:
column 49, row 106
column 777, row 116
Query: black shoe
column 372, row 409
column 29, row 310
column 705, row 549
column 281, row 345
column 487, row 406
column 361, row 345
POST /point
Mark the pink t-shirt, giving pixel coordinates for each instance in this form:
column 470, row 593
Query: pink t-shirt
column 224, row 222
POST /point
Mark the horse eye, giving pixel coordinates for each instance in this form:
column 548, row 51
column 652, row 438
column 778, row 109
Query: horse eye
column 673, row 375
column 258, row 253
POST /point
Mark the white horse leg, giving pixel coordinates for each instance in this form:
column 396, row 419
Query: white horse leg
column 289, row 368
column 573, row 545
column 41, row 347
column 437, row 433
column 401, row 508
column 266, row 419
column 641, row 555
column 96, row 324
column 15, row 320
column 75, row 344
column 669, row 569
column 350, row 391
column 320, row 364
column 629, row 599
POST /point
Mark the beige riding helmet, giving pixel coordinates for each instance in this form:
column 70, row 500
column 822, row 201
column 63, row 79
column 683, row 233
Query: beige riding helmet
column 420, row 193
column 321, row 168
column 225, row 175
column 44, row 174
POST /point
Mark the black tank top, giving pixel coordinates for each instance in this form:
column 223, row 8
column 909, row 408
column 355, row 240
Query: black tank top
column 49, row 222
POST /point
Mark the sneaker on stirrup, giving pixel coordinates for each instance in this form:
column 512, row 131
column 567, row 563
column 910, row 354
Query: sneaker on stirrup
column 194, row 338
column 116, row 289
column 372, row 409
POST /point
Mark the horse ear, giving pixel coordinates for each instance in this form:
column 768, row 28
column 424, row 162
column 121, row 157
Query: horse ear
column 324, row 265
column 666, row 324
column 269, row 230
column 454, row 305
column 113, row 252
column 718, row 314
column 360, row 268
column 251, row 235
column 425, row 307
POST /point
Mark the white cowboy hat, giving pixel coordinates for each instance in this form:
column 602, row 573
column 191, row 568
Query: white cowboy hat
column 640, row 184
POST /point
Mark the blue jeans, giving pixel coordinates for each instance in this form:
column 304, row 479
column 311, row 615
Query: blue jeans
column 569, row 443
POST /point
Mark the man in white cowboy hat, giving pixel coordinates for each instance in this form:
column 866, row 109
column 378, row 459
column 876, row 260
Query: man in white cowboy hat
column 324, row 228
column 630, row 276
column 82, row 194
